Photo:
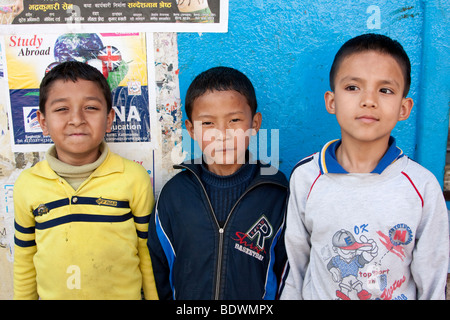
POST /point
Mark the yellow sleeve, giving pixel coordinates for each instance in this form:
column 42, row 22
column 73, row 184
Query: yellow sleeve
column 25, row 246
column 141, row 208
column 148, row 281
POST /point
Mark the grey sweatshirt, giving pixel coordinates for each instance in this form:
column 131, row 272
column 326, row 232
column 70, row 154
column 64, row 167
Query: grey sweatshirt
column 380, row 235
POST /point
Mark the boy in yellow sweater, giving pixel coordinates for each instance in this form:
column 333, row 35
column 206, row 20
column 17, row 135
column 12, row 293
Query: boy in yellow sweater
column 81, row 215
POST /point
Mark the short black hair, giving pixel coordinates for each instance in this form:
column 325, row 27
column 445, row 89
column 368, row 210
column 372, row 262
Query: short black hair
column 73, row 70
column 220, row 79
column 373, row 42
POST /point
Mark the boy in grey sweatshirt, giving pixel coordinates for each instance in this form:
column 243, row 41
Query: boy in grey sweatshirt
column 364, row 221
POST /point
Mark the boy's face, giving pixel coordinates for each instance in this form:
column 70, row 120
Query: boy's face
column 368, row 97
column 222, row 124
column 76, row 119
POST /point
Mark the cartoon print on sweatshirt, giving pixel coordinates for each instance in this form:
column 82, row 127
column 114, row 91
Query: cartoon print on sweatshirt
column 395, row 241
column 354, row 267
column 400, row 235
column 350, row 257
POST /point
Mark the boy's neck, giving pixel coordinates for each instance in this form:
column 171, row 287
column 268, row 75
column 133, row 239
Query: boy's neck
column 361, row 157
column 75, row 175
column 228, row 169
column 224, row 170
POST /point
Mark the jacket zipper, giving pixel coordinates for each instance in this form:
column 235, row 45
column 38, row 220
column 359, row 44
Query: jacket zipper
column 221, row 230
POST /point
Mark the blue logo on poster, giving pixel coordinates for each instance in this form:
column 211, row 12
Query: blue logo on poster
column 132, row 120
column 25, row 127
column 31, row 121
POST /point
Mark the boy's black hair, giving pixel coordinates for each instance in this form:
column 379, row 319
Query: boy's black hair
column 73, row 70
column 220, row 79
column 373, row 42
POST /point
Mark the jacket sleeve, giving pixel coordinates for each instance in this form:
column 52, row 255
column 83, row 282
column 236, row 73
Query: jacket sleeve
column 297, row 241
column 429, row 266
column 280, row 254
column 161, row 251
column 142, row 207
column 25, row 286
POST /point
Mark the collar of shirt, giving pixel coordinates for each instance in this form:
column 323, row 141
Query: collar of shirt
column 329, row 164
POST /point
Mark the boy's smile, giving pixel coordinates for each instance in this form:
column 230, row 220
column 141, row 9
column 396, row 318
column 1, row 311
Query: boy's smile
column 76, row 119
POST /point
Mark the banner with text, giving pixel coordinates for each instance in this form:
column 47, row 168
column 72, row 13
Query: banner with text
column 17, row 16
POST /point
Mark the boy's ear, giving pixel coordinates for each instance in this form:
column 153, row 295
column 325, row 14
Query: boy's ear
column 42, row 122
column 190, row 128
column 405, row 110
column 256, row 123
column 110, row 119
column 329, row 102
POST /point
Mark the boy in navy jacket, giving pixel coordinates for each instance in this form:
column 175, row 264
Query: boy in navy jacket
column 215, row 231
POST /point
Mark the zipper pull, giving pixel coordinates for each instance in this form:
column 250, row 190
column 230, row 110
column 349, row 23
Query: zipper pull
column 221, row 230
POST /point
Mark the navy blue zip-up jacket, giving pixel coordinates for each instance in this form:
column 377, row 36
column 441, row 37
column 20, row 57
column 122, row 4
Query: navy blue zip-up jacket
column 194, row 258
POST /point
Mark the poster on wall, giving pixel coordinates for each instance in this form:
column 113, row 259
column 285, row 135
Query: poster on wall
column 125, row 59
column 18, row 16
column 122, row 58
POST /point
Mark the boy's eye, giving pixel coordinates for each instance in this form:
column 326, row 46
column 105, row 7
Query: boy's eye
column 92, row 108
column 386, row 91
column 235, row 120
column 351, row 88
column 206, row 123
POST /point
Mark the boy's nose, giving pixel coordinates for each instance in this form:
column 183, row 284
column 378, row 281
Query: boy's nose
column 223, row 133
column 76, row 117
column 368, row 99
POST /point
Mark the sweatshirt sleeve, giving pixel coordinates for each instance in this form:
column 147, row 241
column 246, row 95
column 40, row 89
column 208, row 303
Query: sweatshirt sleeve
column 297, row 240
column 429, row 266
column 143, row 206
column 25, row 286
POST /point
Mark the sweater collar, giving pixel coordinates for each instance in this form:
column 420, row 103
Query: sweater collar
column 328, row 162
column 112, row 163
column 69, row 171
column 264, row 172
column 244, row 173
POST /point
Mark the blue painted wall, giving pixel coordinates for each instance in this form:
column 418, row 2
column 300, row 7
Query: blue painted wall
column 286, row 48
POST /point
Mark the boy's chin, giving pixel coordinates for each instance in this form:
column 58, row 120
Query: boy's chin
column 220, row 161
column 224, row 159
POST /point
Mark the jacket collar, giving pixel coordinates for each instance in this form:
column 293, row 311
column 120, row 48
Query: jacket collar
column 329, row 164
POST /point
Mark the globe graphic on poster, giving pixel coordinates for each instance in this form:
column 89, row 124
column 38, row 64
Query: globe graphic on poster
column 77, row 46
column 89, row 48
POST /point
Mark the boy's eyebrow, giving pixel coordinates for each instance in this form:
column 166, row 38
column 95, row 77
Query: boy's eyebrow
column 235, row 112
column 390, row 81
column 207, row 115
column 357, row 79
column 89, row 98
column 350, row 78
